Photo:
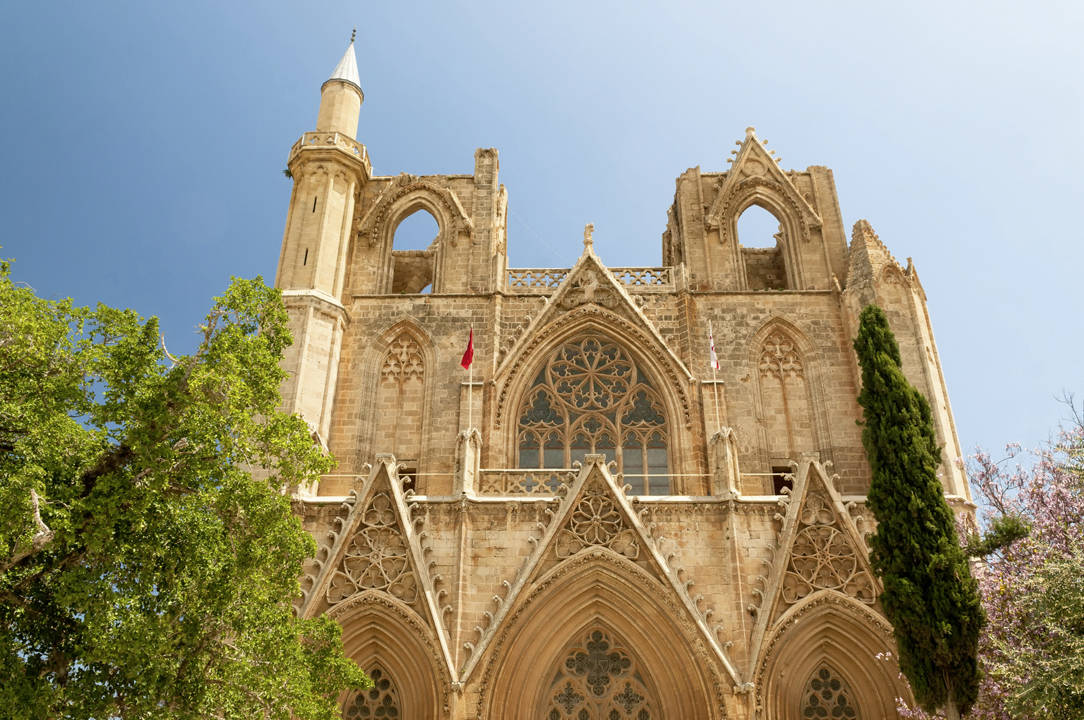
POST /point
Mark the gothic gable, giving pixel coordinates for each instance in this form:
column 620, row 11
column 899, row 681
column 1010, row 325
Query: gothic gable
column 594, row 522
column 819, row 549
column 756, row 176
column 591, row 295
column 375, row 552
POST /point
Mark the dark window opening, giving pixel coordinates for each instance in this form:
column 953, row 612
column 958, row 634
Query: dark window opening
column 314, row 204
column 781, row 478
column 408, row 475
column 305, row 260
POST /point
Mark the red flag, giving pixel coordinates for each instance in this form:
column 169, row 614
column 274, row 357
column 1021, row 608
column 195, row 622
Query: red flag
column 468, row 355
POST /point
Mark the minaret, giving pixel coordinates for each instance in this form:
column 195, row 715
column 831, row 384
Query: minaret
column 341, row 96
column 329, row 168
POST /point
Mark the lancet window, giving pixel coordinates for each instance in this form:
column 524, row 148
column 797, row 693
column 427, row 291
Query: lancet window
column 827, row 696
column 379, row 701
column 591, row 397
column 784, row 391
column 400, row 399
column 599, row 681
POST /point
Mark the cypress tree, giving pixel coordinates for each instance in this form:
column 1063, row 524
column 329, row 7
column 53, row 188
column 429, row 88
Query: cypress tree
column 929, row 595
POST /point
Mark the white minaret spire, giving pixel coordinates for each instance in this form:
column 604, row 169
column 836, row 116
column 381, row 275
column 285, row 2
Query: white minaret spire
column 341, row 96
column 347, row 69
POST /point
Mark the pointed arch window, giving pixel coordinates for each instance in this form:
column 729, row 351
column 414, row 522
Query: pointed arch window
column 400, row 399
column 379, row 701
column 590, row 397
column 785, row 394
column 598, row 680
column 827, row 695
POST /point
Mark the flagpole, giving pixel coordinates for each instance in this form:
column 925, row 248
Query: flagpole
column 470, row 397
column 714, row 381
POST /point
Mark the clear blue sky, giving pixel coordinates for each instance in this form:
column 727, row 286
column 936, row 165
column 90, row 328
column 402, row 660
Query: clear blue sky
column 144, row 144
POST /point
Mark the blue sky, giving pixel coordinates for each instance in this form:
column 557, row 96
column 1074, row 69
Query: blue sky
column 145, row 142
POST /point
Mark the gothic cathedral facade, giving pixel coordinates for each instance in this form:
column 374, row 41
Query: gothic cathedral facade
column 594, row 523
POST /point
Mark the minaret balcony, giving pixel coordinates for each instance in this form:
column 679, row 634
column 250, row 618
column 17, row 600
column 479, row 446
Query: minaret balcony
column 332, row 141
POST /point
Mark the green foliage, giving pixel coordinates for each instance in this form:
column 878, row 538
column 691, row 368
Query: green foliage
column 158, row 580
column 929, row 595
column 1004, row 530
column 1048, row 656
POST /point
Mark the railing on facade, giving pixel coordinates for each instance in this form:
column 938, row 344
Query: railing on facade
column 543, row 281
column 517, row 481
column 548, row 481
column 331, row 139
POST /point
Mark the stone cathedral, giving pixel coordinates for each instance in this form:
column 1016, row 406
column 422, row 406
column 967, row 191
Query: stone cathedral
column 594, row 523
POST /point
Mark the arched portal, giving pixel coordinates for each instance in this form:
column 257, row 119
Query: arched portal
column 829, row 654
column 644, row 640
column 379, row 632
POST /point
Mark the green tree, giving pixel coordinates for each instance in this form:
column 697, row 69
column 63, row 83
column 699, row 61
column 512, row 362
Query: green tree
column 929, row 595
column 144, row 570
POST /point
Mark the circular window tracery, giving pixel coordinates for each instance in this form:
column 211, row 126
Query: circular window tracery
column 598, row 680
column 827, row 696
column 591, row 398
column 379, row 701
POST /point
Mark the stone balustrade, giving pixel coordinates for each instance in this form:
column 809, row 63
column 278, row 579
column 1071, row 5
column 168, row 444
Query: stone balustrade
column 333, row 140
column 518, row 481
column 544, row 281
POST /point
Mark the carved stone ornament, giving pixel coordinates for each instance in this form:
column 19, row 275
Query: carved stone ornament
column 588, row 289
column 823, row 557
column 779, row 357
column 596, row 522
column 404, row 360
column 598, row 679
column 372, row 226
column 376, row 558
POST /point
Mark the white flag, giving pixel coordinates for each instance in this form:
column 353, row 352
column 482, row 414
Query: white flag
column 713, row 360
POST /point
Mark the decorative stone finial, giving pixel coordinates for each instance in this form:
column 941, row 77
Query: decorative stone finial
column 353, row 34
column 588, row 229
column 750, row 131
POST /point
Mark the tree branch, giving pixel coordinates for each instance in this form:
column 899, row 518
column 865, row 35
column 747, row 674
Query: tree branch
column 41, row 538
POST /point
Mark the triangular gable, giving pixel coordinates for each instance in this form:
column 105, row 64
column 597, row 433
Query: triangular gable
column 591, row 285
column 376, row 550
column 754, row 165
column 595, row 513
column 819, row 549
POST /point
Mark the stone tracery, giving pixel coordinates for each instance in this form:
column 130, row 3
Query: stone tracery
column 598, row 680
column 376, row 558
column 379, row 701
column 827, row 696
column 590, row 397
column 596, row 521
column 400, row 398
column 823, row 557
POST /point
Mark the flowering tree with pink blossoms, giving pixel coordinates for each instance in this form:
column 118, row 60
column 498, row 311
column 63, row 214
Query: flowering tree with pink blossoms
column 1032, row 649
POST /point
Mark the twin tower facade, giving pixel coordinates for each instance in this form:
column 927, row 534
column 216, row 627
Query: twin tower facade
column 594, row 523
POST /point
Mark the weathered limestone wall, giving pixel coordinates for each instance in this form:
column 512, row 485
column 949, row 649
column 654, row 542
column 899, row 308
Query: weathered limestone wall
column 376, row 371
